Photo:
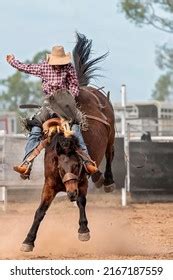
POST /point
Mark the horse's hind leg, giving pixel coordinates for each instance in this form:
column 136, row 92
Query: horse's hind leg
column 109, row 184
column 47, row 197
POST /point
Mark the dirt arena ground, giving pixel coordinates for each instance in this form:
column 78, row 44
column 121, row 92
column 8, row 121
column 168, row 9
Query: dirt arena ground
column 138, row 231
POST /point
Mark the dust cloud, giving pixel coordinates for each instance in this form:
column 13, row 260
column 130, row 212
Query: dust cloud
column 137, row 231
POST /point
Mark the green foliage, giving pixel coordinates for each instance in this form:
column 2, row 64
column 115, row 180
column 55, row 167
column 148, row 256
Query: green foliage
column 20, row 88
column 164, row 60
column 38, row 57
column 164, row 57
column 134, row 11
column 163, row 87
column 158, row 14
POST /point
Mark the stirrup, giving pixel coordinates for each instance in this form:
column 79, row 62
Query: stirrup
column 24, row 174
column 27, row 173
column 25, row 177
column 92, row 168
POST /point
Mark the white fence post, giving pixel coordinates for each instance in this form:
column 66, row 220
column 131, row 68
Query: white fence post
column 3, row 190
column 123, row 104
column 3, row 197
column 127, row 157
column 123, row 132
column 126, row 134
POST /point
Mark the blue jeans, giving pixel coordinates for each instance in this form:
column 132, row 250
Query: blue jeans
column 34, row 139
column 78, row 134
column 35, row 136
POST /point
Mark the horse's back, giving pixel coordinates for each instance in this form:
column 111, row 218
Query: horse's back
column 94, row 103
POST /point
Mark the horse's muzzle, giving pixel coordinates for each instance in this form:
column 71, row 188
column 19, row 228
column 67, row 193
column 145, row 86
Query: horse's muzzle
column 70, row 181
column 72, row 195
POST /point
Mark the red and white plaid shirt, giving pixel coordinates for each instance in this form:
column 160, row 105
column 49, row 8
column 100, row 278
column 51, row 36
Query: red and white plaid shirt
column 53, row 77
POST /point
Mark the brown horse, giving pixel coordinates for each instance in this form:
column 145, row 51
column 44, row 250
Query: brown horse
column 63, row 166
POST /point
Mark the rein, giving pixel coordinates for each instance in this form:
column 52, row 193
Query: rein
column 101, row 106
column 98, row 119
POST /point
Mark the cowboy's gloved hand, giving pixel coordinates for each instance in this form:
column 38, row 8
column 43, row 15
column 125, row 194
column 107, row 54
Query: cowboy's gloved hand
column 9, row 57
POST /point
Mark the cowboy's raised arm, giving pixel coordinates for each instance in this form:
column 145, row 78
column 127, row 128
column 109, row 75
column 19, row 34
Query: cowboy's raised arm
column 34, row 69
column 72, row 80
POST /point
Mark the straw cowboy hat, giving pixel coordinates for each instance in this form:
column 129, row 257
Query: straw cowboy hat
column 58, row 56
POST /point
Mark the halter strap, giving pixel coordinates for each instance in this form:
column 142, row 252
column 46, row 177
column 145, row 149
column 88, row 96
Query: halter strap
column 69, row 176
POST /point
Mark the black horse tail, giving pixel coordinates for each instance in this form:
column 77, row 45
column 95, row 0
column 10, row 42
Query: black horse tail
column 85, row 67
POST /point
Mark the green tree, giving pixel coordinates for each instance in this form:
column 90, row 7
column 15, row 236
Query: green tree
column 158, row 14
column 20, row 88
column 163, row 87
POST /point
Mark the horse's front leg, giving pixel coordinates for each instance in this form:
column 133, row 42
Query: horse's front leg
column 48, row 195
column 83, row 232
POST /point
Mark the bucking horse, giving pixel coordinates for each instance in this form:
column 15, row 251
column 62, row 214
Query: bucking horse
column 63, row 167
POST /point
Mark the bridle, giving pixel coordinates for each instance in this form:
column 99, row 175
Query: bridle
column 69, row 176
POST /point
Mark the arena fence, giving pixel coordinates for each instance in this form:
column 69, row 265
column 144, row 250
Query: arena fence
column 11, row 153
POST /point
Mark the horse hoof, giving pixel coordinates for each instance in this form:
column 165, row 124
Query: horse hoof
column 109, row 188
column 99, row 183
column 84, row 236
column 26, row 248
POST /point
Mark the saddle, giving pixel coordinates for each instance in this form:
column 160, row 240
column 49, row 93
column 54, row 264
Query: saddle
column 56, row 125
column 50, row 128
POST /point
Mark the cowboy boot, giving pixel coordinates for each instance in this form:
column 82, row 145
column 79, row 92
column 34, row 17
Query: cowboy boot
column 89, row 165
column 25, row 168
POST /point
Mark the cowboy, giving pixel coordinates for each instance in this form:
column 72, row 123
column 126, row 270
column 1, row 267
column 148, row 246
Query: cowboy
column 60, row 87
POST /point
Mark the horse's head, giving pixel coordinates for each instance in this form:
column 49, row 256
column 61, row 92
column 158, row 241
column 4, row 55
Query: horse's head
column 69, row 169
column 69, row 164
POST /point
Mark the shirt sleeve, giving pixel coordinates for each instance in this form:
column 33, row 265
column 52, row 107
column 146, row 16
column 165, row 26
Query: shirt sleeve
column 72, row 81
column 34, row 69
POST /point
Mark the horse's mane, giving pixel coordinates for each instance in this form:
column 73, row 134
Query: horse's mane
column 85, row 67
column 63, row 145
